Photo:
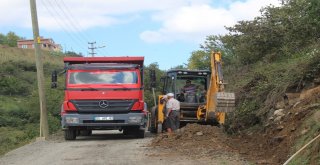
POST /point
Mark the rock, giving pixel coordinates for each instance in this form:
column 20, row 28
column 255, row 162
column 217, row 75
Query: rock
column 243, row 152
column 260, row 145
column 297, row 103
column 304, row 131
column 278, row 118
column 278, row 138
column 278, row 112
column 293, row 129
column 279, row 106
column 279, row 128
column 271, row 118
column 262, row 162
column 199, row 133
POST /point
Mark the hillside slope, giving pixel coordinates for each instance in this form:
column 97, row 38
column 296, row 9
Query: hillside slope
column 19, row 107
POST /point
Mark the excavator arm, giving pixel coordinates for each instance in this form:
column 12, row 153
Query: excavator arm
column 219, row 102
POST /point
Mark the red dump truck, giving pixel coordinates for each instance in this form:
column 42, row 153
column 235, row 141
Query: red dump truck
column 103, row 93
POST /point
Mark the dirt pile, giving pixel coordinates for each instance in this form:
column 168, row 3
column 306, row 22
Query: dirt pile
column 195, row 141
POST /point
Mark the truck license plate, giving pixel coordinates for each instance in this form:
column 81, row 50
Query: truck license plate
column 104, row 118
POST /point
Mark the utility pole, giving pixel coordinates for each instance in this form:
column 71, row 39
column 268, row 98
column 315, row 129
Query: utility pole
column 92, row 48
column 44, row 129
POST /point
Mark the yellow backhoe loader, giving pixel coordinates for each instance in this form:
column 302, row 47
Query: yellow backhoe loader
column 207, row 103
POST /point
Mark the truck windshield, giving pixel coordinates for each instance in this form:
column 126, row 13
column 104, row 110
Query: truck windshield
column 103, row 77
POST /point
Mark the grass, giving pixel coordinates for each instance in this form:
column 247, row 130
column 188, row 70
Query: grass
column 11, row 138
column 27, row 55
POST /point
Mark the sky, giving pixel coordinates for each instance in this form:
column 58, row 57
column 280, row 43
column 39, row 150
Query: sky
column 163, row 31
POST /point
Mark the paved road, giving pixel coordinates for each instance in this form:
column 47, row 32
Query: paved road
column 102, row 148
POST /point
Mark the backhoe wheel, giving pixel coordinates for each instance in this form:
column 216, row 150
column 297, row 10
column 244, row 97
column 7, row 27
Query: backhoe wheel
column 70, row 134
column 153, row 123
column 159, row 130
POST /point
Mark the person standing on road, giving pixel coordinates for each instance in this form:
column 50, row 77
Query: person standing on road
column 172, row 113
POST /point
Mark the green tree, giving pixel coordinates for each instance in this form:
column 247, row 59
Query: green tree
column 12, row 39
column 3, row 39
column 199, row 59
column 278, row 33
column 147, row 92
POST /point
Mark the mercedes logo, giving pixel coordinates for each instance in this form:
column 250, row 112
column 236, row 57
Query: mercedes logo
column 103, row 104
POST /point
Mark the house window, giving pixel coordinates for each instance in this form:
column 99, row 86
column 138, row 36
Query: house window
column 24, row 46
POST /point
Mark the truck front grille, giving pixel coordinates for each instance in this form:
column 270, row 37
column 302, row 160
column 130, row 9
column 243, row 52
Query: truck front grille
column 103, row 106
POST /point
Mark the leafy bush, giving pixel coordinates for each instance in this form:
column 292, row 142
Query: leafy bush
column 13, row 86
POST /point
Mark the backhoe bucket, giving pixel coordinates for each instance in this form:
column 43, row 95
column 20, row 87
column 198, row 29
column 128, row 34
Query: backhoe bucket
column 226, row 102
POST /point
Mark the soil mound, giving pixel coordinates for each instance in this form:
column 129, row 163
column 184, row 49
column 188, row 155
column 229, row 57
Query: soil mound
column 194, row 140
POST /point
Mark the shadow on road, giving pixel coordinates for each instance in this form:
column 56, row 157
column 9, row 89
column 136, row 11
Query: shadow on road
column 109, row 135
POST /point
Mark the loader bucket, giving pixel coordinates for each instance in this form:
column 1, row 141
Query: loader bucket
column 225, row 102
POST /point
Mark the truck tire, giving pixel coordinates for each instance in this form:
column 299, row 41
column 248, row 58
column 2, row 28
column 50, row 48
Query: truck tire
column 153, row 123
column 86, row 132
column 126, row 131
column 140, row 133
column 70, row 134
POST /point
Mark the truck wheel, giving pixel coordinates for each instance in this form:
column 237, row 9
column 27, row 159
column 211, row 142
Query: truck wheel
column 70, row 134
column 140, row 133
column 126, row 131
column 153, row 123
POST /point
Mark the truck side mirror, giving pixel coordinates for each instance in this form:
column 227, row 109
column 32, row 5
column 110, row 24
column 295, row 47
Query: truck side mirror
column 54, row 79
column 152, row 74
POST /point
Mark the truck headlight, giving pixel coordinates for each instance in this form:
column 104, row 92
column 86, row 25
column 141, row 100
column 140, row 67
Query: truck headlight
column 134, row 119
column 72, row 120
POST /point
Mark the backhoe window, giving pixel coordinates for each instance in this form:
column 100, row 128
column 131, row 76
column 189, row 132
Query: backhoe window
column 103, row 77
column 170, row 85
column 199, row 83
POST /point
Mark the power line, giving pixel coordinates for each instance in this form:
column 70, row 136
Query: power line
column 74, row 20
column 72, row 37
column 70, row 20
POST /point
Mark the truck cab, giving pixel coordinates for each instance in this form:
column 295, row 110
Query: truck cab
column 103, row 93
